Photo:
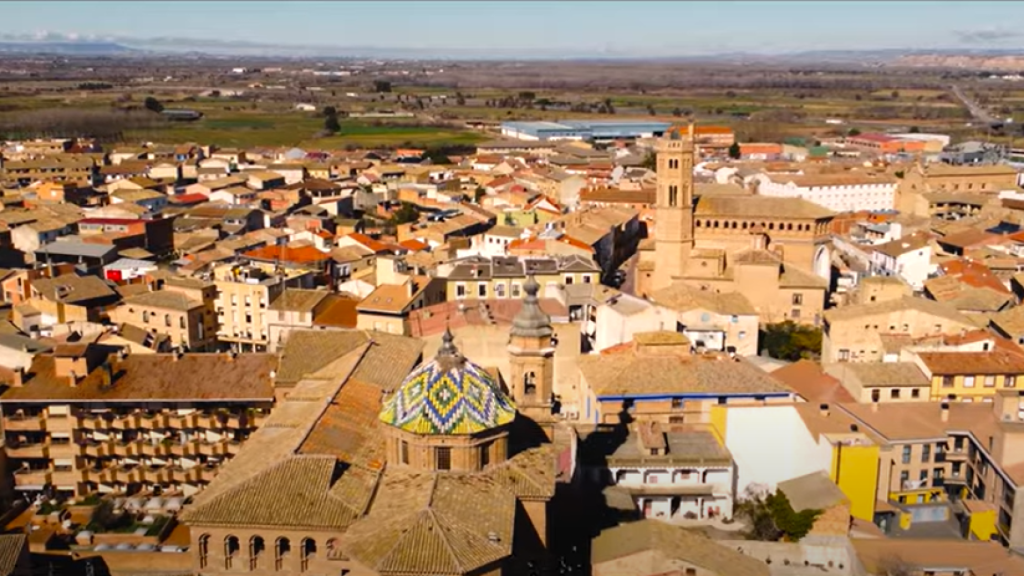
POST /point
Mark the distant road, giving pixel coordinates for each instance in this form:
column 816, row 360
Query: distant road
column 977, row 112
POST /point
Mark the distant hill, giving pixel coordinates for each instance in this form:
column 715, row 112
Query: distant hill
column 66, row 48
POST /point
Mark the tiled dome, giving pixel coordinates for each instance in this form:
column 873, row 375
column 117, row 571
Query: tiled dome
column 448, row 395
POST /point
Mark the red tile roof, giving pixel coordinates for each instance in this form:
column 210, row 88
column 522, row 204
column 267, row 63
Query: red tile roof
column 299, row 254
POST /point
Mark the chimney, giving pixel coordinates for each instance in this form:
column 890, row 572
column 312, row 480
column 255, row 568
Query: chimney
column 944, row 411
column 823, row 408
column 19, row 378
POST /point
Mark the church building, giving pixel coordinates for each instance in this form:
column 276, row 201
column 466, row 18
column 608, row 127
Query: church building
column 371, row 469
column 772, row 250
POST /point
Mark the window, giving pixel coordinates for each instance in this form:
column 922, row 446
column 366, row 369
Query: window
column 915, row 393
column 876, row 395
column 230, row 550
column 673, row 195
column 968, row 381
column 256, row 548
column 181, row 321
column 926, row 453
column 742, row 334
column 1010, row 381
column 308, row 552
column 281, row 551
column 481, row 290
column 485, row 455
column 443, row 457
column 794, row 313
column 499, row 290
column 798, row 299
column 405, row 452
column 586, row 278
column 947, row 381
column 923, row 477
column 204, row 550
column 515, row 290
column 904, row 477
column 958, row 444
column 894, row 393
column 460, row 290
column 955, row 470
column 677, row 402
column 568, row 279
column 990, row 381
column 167, row 319
column 906, row 454
column 145, row 316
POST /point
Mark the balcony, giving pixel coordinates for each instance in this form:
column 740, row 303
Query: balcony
column 126, row 422
column 64, row 450
column 152, row 421
column 35, row 450
column 67, row 478
column 16, row 422
column 956, row 455
column 26, row 478
column 211, row 448
column 96, row 448
column 130, row 448
column 60, row 423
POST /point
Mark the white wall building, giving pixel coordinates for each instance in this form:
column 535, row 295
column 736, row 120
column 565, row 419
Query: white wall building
column 837, row 192
column 909, row 257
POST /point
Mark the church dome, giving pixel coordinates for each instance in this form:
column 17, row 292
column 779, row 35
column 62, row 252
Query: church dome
column 448, row 395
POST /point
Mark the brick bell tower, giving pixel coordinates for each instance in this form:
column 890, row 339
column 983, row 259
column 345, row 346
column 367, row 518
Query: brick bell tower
column 673, row 231
column 531, row 359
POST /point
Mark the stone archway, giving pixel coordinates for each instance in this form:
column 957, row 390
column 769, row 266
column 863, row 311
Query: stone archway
column 823, row 262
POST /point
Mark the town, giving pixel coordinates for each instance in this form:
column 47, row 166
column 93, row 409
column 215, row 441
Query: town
column 566, row 340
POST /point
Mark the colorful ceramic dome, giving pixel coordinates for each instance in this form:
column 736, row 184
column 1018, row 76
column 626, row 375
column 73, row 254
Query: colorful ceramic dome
column 448, row 395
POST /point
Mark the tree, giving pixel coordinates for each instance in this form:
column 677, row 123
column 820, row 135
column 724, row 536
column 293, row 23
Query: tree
column 853, row 132
column 330, row 111
column 332, row 125
column 650, row 110
column 734, row 151
column 527, row 96
column 650, row 161
column 791, row 341
column 381, row 86
column 914, row 130
column 479, row 194
column 771, row 517
column 153, row 105
column 677, row 112
column 406, row 213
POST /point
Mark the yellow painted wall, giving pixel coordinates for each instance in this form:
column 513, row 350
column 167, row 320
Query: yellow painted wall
column 979, row 389
column 857, row 473
column 905, row 519
column 983, row 525
column 719, row 420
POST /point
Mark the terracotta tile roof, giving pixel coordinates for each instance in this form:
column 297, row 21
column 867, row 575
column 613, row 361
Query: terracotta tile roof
column 670, row 545
column 938, row 555
column 73, row 289
column 166, row 299
column 295, row 254
column 338, row 312
column 154, row 377
column 760, row 207
column 298, row 300
column 387, row 361
column 924, row 305
column 629, row 374
column 370, row 243
column 11, row 547
column 814, row 491
column 682, row 298
column 969, row 363
column 880, row 374
column 806, row 378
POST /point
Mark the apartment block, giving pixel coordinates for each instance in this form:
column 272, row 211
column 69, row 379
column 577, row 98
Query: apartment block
column 243, row 295
column 91, row 418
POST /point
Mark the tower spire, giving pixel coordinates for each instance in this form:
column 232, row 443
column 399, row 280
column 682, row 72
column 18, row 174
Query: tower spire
column 531, row 321
column 447, row 348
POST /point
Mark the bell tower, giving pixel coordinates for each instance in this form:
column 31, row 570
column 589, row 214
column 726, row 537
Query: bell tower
column 673, row 232
column 531, row 358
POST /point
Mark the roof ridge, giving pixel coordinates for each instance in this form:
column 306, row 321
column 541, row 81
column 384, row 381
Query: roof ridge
column 329, row 398
column 436, row 519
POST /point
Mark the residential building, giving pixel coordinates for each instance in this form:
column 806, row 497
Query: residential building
column 909, row 257
column 970, row 376
column 841, row 192
column 243, row 295
column 854, row 333
column 187, row 320
column 656, row 548
column 869, row 382
column 657, row 377
column 297, row 309
column 71, row 298
column 503, row 277
column 88, row 418
column 387, row 308
column 675, row 474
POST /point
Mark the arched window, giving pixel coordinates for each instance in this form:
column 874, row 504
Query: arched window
column 771, row 225
column 256, row 548
column 308, row 552
column 529, row 383
column 231, row 548
column 281, row 550
column 789, row 226
column 204, row 550
column 744, row 226
column 332, row 547
column 733, row 224
column 673, row 195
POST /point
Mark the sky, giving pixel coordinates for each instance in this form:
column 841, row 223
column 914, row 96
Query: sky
column 622, row 27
